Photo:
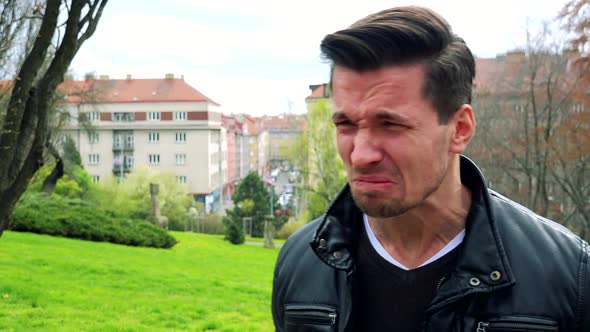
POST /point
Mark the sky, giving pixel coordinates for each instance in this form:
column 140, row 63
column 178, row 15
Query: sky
column 259, row 57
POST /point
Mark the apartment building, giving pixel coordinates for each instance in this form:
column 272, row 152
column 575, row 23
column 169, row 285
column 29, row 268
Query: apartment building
column 163, row 124
column 234, row 155
column 250, row 146
column 283, row 132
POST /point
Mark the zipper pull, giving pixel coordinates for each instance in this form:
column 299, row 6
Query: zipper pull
column 481, row 326
column 333, row 316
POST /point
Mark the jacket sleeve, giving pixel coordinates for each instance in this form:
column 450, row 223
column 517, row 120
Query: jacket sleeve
column 584, row 275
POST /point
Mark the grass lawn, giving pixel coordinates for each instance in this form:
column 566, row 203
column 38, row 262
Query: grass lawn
column 201, row 284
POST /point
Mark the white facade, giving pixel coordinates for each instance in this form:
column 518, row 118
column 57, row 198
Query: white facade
column 159, row 135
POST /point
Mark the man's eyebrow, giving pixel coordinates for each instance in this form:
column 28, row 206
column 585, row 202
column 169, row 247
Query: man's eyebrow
column 336, row 116
column 391, row 116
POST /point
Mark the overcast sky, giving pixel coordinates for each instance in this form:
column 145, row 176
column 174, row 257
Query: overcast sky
column 259, row 57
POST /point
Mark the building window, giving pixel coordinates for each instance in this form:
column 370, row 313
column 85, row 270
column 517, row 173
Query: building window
column 93, row 138
column 93, row 116
column 180, row 137
column 93, row 159
column 154, row 159
column 578, row 107
column 95, row 178
column 153, row 116
column 181, row 179
column 180, row 159
column 122, row 117
column 153, row 137
column 129, row 161
column 179, row 116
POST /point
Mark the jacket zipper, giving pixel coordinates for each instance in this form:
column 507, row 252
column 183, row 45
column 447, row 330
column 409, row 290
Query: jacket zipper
column 305, row 315
column 483, row 326
column 440, row 282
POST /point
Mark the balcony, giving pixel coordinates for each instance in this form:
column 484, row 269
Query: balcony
column 122, row 147
column 117, row 169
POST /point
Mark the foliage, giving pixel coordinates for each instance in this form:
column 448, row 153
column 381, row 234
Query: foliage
column 201, row 284
column 57, row 30
column 290, row 227
column 315, row 154
column 54, row 215
column 71, row 156
column 198, row 221
column 575, row 16
column 233, row 229
column 67, row 187
column 131, row 197
column 76, row 184
column 252, row 189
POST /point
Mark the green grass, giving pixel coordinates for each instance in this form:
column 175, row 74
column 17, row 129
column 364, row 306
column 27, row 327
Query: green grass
column 202, row 284
column 261, row 240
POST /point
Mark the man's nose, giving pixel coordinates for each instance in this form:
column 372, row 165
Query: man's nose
column 366, row 150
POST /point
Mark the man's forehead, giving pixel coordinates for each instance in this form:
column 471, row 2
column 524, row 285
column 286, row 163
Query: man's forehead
column 349, row 83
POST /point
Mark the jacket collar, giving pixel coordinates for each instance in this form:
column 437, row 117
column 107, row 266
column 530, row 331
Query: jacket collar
column 481, row 267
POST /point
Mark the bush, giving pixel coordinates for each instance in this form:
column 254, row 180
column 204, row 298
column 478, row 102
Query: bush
column 289, row 228
column 131, row 197
column 233, row 231
column 211, row 224
column 55, row 215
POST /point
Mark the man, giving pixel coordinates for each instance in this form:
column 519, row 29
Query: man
column 415, row 241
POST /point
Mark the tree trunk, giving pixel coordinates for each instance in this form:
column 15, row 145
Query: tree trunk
column 24, row 132
column 51, row 180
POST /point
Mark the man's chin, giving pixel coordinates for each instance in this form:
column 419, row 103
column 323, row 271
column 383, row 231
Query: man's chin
column 375, row 205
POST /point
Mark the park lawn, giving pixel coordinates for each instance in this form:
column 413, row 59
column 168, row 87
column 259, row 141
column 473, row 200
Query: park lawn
column 201, row 284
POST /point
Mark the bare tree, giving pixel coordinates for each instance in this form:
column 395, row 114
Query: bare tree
column 526, row 139
column 24, row 131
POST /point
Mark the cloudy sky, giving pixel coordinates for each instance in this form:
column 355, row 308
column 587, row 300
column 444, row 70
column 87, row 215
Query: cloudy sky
column 259, row 57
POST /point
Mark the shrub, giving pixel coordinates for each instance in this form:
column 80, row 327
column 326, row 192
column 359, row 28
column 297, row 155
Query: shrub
column 233, row 231
column 55, row 215
column 212, row 224
column 289, row 228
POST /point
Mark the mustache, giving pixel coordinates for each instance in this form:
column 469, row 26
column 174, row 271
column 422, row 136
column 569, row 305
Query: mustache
column 374, row 171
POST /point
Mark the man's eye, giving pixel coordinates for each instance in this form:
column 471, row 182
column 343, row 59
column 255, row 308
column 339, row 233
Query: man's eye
column 342, row 123
column 392, row 125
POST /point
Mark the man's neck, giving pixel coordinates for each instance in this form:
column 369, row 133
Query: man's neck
column 415, row 236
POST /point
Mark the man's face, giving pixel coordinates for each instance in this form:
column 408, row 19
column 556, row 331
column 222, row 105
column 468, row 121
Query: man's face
column 395, row 152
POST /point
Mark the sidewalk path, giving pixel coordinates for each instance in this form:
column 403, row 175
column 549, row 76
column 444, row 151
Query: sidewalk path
column 256, row 243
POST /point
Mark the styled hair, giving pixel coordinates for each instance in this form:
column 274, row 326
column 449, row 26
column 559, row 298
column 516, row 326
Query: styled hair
column 403, row 36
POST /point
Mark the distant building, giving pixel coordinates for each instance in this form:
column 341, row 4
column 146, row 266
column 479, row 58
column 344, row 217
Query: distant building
column 318, row 92
column 283, row 131
column 162, row 123
column 234, row 139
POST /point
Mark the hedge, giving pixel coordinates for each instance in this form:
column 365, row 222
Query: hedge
column 75, row 218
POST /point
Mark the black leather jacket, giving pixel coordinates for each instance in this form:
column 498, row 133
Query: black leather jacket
column 517, row 271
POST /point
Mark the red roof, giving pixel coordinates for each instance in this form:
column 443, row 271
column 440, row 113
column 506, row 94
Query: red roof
column 318, row 91
column 133, row 91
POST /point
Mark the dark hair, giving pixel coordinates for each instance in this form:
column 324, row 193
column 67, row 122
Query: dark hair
column 409, row 35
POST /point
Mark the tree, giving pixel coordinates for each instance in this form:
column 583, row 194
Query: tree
column 24, row 131
column 575, row 16
column 253, row 189
column 131, row 197
column 527, row 143
column 316, row 155
column 234, row 233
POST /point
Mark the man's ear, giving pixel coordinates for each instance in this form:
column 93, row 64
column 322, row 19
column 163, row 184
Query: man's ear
column 463, row 128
